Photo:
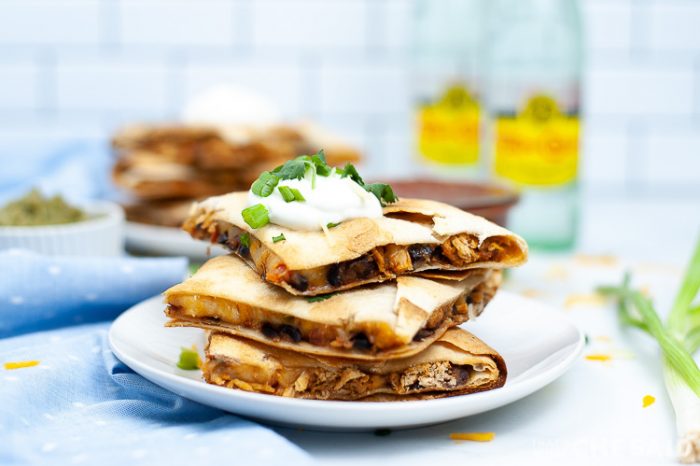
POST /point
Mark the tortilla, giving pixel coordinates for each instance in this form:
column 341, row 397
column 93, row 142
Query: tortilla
column 390, row 320
column 456, row 364
column 413, row 236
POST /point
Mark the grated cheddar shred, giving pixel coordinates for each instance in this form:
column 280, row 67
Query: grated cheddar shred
column 20, row 364
column 598, row 357
column 473, row 436
column 647, row 401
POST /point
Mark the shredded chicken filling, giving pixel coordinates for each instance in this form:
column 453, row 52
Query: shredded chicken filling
column 379, row 264
column 346, row 383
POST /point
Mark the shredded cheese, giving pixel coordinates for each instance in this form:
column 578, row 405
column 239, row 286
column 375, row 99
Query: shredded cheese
column 596, row 260
column 598, row 357
column 20, row 364
column 473, row 436
column 647, row 401
column 592, row 299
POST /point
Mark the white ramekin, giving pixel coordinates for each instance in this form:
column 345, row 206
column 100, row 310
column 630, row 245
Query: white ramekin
column 102, row 234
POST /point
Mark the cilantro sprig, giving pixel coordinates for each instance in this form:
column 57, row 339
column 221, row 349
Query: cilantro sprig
column 320, row 297
column 381, row 191
column 296, row 169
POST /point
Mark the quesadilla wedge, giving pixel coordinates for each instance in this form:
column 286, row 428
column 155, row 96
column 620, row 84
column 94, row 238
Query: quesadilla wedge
column 389, row 320
column 456, row 364
column 413, row 236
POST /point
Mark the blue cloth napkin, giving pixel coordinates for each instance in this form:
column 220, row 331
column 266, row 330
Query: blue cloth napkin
column 39, row 292
column 80, row 404
column 76, row 169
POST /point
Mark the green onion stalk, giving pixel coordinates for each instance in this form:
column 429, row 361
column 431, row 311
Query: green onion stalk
column 679, row 339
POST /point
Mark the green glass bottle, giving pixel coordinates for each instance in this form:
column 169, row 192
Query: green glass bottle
column 532, row 63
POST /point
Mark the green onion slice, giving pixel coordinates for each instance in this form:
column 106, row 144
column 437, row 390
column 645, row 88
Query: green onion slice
column 245, row 239
column 265, row 184
column 286, row 193
column 256, row 216
column 189, row 359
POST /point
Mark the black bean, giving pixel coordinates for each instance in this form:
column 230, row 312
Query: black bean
column 361, row 342
column 423, row 333
column 461, row 373
column 470, row 300
column 243, row 251
column 299, row 281
column 333, row 275
column 222, row 238
column 270, row 331
column 419, row 253
column 291, row 332
column 364, row 267
column 437, row 254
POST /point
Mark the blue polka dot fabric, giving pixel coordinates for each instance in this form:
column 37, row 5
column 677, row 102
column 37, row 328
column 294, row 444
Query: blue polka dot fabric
column 76, row 403
column 39, row 292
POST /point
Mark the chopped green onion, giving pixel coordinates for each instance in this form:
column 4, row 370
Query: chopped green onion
column 265, row 184
column 189, row 359
column 290, row 194
column 297, row 195
column 256, row 216
column 678, row 340
column 321, row 297
column 244, row 239
column 286, row 193
column 332, row 225
column 278, row 238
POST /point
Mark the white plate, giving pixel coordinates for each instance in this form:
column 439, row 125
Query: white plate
column 538, row 343
column 167, row 241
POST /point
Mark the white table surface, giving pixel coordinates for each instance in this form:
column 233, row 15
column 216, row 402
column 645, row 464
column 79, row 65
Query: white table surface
column 593, row 414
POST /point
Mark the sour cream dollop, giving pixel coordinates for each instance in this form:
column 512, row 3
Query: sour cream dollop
column 333, row 199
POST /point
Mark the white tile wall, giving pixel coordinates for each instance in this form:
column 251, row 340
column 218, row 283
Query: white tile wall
column 641, row 89
column 309, row 23
column 609, row 24
column 19, row 86
column 45, row 22
column 605, row 152
column 79, row 68
column 674, row 155
column 177, row 22
column 673, row 25
column 103, row 84
column 365, row 89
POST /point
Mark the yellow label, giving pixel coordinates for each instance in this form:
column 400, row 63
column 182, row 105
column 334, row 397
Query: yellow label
column 448, row 130
column 539, row 146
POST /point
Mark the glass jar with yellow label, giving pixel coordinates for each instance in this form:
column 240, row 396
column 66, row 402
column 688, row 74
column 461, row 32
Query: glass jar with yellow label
column 532, row 59
column 448, row 113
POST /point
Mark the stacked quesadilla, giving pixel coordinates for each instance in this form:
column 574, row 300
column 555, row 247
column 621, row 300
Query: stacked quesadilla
column 367, row 309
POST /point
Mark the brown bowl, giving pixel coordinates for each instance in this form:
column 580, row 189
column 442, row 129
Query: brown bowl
column 488, row 200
